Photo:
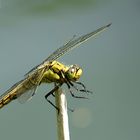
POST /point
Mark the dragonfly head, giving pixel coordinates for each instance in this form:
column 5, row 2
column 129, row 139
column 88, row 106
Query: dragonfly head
column 74, row 72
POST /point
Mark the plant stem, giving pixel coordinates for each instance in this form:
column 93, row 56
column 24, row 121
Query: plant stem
column 62, row 115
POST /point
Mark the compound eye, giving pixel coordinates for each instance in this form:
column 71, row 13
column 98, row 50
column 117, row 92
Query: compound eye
column 72, row 70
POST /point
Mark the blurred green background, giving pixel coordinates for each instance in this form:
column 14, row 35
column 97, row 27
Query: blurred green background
column 30, row 30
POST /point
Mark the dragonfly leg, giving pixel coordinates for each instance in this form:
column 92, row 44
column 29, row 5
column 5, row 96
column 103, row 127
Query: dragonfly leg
column 84, row 87
column 82, row 97
column 52, row 93
column 72, row 94
column 81, row 90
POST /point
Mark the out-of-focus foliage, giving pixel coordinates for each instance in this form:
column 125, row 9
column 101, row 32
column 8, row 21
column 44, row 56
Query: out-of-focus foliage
column 43, row 6
column 13, row 10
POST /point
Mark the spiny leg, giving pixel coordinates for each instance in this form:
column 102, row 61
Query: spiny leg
column 81, row 90
column 84, row 87
column 82, row 97
column 52, row 93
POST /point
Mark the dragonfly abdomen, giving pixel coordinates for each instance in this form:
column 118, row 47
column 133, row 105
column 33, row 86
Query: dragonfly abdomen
column 16, row 91
column 7, row 99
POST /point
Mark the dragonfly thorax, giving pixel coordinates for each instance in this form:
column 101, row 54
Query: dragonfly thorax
column 60, row 73
column 73, row 73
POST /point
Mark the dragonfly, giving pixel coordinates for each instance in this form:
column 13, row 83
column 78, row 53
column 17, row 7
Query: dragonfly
column 50, row 71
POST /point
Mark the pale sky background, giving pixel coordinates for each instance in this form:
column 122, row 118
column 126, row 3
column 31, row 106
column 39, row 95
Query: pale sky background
column 30, row 30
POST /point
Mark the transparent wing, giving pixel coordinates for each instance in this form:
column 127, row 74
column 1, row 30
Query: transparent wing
column 27, row 95
column 8, row 92
column 74, row 43
column 69, row 46
column 19, row 89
